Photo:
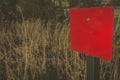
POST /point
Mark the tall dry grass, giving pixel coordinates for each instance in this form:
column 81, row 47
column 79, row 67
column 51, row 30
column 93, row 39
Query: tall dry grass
column 36, row 51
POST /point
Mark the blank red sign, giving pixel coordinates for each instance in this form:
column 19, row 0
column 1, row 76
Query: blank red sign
column 91, row 31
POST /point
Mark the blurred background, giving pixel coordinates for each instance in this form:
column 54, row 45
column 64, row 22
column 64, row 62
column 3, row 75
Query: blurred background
column 47, row 9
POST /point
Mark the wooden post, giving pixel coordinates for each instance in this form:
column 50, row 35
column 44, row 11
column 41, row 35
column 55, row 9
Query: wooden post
column 93, row 67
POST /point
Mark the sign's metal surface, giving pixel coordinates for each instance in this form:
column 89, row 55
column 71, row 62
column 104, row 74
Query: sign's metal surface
column 91, row 31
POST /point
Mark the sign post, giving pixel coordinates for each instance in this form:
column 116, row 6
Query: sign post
column 93, row 67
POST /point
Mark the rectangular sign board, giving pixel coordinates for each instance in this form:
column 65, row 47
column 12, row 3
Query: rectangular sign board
column 91, row 31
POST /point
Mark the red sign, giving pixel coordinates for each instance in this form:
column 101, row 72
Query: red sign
column 91, row 31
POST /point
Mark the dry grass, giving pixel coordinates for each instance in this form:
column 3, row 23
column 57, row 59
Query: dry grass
column 35, row 51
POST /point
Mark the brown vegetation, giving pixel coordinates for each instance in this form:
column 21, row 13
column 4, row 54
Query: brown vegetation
column 34, row 51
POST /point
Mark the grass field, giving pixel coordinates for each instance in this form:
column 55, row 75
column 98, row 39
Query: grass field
column 35, row 51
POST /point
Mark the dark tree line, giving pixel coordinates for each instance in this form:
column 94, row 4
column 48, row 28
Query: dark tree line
column 8, row 11
column 44, row 9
